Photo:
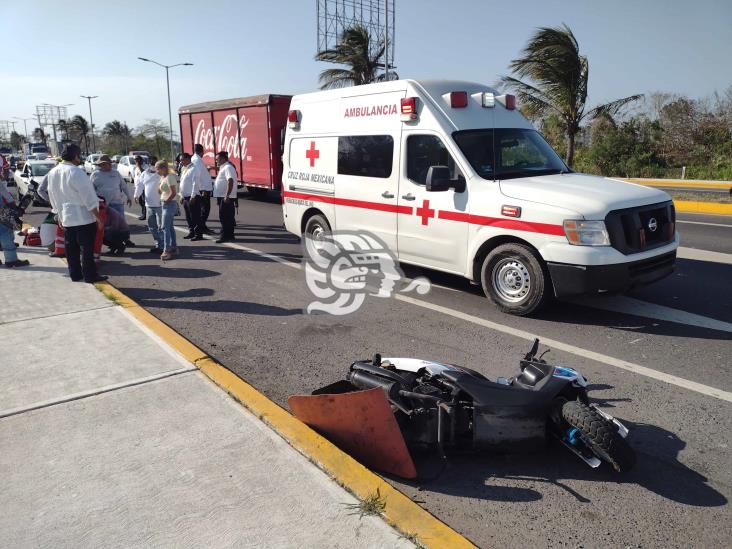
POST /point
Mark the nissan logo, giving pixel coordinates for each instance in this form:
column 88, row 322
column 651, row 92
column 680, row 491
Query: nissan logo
column 652, row 224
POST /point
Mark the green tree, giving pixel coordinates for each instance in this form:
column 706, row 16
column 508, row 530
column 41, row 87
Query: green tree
column 80, row 129
column 16, row 140
column 118, row 135
column 39, row 136
column 551, row 77
column 356, row 51
column 157, row 131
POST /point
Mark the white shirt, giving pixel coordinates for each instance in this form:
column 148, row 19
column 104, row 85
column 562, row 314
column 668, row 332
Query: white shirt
column 187, row 180
column 149, row 181
column 226, row 172
column 203, row 178
column 72, row 195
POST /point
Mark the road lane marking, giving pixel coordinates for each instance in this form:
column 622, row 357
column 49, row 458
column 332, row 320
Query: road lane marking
column 631, row 306
column 704, row 255
column 578, row 351
column 704, row 223
column 95, row 392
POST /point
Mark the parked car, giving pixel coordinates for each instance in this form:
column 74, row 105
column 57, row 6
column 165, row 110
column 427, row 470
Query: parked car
column 89, row 166
column 33, row 170
column 126, row 167
column 115, row 158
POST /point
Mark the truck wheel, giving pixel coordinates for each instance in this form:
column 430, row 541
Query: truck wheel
column 257, row 192
column 515, row 280
column 600, row 435
column 317, row 228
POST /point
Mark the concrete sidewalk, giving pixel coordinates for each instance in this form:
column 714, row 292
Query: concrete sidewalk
column 109, row 438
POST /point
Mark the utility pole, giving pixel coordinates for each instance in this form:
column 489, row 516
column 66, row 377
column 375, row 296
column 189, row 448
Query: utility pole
column 386, row 40
column 167, row 83
column 91, row 120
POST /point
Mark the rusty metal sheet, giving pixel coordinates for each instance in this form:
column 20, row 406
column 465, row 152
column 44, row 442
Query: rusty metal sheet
column 360, row 423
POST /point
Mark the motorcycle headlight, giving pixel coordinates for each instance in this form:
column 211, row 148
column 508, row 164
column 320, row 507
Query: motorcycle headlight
column 586, row 233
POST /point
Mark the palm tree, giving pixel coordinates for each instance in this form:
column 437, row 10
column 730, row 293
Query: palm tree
column 80, row 127
column 355, row 51
column 555, row 81
column 117, row 132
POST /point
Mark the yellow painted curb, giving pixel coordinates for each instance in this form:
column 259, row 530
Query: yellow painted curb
column 681, row 183
column 691, row 206
column 400, row 511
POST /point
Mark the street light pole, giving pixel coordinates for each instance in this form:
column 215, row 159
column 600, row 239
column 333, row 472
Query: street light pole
column 167, row 83
column 91, row 121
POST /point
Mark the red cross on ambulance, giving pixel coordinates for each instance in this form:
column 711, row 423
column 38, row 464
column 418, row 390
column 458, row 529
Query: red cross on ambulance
column 425, row 212
column 312, row 154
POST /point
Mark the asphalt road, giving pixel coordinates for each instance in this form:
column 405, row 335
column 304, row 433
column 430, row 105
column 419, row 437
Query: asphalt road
column 246, row 310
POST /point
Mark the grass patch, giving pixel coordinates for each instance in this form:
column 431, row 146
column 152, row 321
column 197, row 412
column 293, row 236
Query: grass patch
column 373, row 504
column 717, row 198
column 113, row 298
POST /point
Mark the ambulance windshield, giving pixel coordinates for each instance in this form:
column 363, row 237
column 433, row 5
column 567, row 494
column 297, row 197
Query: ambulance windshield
column 509, row 153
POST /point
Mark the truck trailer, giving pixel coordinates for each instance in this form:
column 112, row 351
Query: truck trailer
column 250, row 129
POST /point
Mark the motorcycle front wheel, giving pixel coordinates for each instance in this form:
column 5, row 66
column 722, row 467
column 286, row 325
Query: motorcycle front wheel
column 600, row 435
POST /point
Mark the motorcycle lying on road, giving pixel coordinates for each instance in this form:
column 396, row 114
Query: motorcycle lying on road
column 385, row 406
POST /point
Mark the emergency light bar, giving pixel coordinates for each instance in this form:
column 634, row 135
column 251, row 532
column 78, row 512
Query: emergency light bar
column 409, row 109
column 293, row 119
column 507, row 100
column 458, row 100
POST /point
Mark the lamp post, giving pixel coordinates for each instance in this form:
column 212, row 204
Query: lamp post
column 167, row 82
column 91, row 121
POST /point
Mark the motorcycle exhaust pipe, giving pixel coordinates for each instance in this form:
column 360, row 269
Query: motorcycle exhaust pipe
column 363, row 380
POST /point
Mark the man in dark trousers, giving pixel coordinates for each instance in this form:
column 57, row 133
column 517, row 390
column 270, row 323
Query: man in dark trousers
column 73, row 199
column 225, row 194
column 203, row 185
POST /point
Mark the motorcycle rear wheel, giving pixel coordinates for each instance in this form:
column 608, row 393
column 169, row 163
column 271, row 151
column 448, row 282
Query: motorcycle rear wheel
column 600, row 435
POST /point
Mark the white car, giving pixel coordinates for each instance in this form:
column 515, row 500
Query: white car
column 89, row 166
column 450, row 176
column 32, row 171
column 126, row 167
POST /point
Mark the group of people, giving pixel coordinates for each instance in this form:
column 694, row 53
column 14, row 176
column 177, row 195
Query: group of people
column 74, row 198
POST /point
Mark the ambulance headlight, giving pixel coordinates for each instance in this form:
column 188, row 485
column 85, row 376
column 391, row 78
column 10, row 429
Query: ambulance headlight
column 586, row 233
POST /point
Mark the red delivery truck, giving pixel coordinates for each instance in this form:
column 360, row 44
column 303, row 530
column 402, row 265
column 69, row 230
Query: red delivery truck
column 250, row 129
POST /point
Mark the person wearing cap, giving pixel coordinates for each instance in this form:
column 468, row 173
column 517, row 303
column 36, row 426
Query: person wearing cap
column 225, row 194
column 147, row 184
column 108, row 184
column 167, row 190
column 72, row 196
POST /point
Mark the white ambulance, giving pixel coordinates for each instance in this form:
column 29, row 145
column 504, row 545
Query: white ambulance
column 452, row 177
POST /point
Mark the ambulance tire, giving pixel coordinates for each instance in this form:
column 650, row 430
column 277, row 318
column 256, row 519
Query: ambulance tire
column 515, row 279
column 316, row 226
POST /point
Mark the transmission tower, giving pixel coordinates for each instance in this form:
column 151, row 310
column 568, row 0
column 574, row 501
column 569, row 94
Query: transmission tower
column 376, row 16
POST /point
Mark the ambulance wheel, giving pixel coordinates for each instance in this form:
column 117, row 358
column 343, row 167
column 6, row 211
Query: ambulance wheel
column 317, row 227
column 514, row 278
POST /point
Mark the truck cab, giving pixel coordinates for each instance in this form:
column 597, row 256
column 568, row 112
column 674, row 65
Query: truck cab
column 450, row 176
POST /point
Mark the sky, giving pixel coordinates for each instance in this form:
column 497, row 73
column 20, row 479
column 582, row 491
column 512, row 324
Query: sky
column 53, row 52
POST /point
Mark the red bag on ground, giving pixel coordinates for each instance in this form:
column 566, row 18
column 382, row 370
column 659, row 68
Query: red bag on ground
column 59, row 247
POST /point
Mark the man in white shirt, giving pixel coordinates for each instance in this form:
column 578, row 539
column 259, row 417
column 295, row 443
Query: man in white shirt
column 149, row 183
column 225, row 194
column 203, row 185
column 73, row 198
column 187, row 183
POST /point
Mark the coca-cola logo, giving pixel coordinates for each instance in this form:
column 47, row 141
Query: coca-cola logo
column 226, row 137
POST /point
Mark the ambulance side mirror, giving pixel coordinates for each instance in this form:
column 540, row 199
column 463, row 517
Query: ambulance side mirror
column 438, row 179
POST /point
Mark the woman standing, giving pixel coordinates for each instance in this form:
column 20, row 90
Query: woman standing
column 138, row 170
column 168, row 191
